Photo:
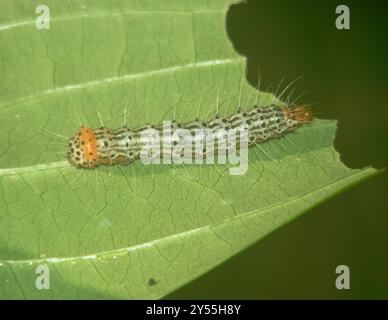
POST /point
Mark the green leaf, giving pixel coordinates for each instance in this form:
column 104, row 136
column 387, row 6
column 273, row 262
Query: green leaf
column 137, row 231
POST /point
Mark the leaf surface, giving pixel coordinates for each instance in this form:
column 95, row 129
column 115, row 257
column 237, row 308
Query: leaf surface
column 137, row 231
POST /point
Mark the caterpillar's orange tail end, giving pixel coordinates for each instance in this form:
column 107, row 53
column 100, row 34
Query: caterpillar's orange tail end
column 303, row 114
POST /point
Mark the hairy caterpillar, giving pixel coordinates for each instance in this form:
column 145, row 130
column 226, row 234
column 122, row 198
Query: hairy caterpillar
column 90, row 148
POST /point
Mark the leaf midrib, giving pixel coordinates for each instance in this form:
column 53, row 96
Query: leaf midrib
column 65, row 164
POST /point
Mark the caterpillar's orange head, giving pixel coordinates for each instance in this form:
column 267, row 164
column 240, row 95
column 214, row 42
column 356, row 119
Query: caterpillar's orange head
column 300, row 114
column 83, row 149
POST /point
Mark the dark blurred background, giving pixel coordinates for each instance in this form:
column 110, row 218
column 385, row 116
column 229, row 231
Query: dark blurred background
column 345, row 76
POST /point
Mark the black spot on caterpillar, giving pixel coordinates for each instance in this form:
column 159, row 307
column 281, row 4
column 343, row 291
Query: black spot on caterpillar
column 90, row 148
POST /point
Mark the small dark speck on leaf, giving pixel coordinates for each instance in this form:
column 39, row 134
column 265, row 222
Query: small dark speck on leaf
column 152, row 282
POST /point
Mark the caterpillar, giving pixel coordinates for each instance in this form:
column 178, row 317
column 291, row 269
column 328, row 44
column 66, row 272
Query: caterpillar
column 89, row 148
